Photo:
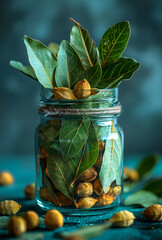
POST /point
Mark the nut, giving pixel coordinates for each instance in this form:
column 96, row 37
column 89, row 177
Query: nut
column 53, row 219
column 43, row 153
column 44, row 194
column 86, row 202
column 94, row 91
column 9, row 207
column 122, row 219
column 17, row 226
column 98, row 161
column 114, row 191
column 154, row 212
column 63, row 93
column 30, row 191
column 82, row 89
column 62, row 200
column 105, row 200
column 84, row 189
column 101, row 145
column 89, row 175
column 98, row 188
column 130, row 174
column 6, row 178
column 32, row 219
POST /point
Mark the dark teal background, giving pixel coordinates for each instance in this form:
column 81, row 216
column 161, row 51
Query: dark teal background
column 48, row 20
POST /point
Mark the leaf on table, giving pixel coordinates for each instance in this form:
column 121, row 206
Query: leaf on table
column 62, row 174
column 54, row 47
column 87, row 231
column 113, row 42
column 111, row 163
column 73, row 135
column 69, row 66
column 147, row 164
column 42, row 60
column 155, row 186
column 31, row 236
column 84, row 45
column 143, row 198
column 128, row 186
column 90, row 153
column 27, row 70
column 4, row 221
column 113, row 73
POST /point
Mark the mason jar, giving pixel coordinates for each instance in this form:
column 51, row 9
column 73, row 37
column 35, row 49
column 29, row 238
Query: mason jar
column 79, row 153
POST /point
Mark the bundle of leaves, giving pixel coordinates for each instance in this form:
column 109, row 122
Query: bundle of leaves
column 66, row 64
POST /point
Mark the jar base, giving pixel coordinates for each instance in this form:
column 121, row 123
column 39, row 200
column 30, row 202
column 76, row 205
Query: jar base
column 81, row 216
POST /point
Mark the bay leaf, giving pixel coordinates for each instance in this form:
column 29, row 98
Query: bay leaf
column 50, row 132
column 101, row 95
column 54, row 47
column 42, row 60
column 102, row 131
column 143, row 198
column 147, row 164
column 31, row 236
column 73, row 135
column 69, row 66
column 62, row 174
column 113, row 42
column 27, row 70
column 87, row 232
column 4, row 221
column 84, row 45
column 111, row 163
column 155, row 186
column 113, row 73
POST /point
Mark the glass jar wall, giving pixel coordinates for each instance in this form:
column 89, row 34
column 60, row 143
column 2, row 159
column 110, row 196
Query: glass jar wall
column 79, row 153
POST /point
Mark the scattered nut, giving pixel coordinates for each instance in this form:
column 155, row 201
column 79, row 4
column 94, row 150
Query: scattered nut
column 98, row 188
column 86, row 202
column 63, row 93
column 114, row 191
column 89, row 175
column 154, row 212
column 101, row 145
column 130, row 174
column 17, row 226
column 84, row 189
column 32, row 219
column 62, row 200
column 82, row 89
column 122, row 219
column 44, row 194
column 53, row 219
column 6, row 178
column 105, row 200
column 30, row 191
column 9, row 207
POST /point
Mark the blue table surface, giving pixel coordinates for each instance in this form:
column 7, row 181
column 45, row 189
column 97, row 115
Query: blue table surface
column 23, row 170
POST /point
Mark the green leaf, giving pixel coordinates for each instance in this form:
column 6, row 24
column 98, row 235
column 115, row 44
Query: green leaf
column 87, row 231
column 62, row 174
column 73, row 135
column 31, row 235
column 147, row 164
column 90, row 154
column 155, row 186
column 102, row 131
column 111, row 163
column 50, row 131
column 115, row 72
column 28, row 70
column 101, row 95
column 54, row 47
column 4, row 221
column 113, row 42
column 142, row 198
column 42, row 60
column 84, row 45
column 69, row 66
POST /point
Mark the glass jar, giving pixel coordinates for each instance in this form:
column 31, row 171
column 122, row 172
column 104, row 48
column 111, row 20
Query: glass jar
column 79, row 153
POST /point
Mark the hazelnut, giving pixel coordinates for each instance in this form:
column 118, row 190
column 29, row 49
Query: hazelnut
column 86, row 202
column 105, row 200
column 17, row 226
column 6, row 178
column 32, row 219
column 9, row 207
column 98, row 188
column 63, row 93
column 44, row 194
column 30, row 191
column 84, row 189
column 89, row 175
column 101, row 145
column 130, row 174
column 82, row 89
column 122, row 219
column 114, row 191
column 53, row 219
column 153, row 212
